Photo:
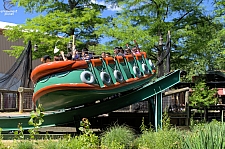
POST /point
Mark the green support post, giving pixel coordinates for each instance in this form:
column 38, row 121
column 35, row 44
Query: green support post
column 158, row 111
column 151, row 110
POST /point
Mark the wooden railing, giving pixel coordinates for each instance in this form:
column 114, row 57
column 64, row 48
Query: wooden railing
column 16, row 101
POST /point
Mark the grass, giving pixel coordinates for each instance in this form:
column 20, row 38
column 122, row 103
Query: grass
column 201, row 136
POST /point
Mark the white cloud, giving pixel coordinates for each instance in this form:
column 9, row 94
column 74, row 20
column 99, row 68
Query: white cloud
column 4, row 24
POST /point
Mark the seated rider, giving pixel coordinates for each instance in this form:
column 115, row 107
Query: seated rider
column 46, row 59
column 85, row 54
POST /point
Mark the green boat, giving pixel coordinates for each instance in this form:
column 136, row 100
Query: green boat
column 69, row 84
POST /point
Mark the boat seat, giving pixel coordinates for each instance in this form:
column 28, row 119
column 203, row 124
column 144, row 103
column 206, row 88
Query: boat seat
column 101, row 72
column 131, row 63
column 110, row 64
column 120, row 63
column 146, row 60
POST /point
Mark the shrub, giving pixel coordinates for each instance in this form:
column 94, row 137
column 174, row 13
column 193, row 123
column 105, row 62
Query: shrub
column 117, row 137
column 25, row 144
column 163, row 139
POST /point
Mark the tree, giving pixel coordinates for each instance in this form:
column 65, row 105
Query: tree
column 202, row 96
column 62, row 19
column 194, row 47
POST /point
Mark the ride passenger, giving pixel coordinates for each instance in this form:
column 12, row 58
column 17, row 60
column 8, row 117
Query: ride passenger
column 107, row 54
column 66, row 57
column 103, row 55
column 128, row 51
column 117, row 52
column 46, row 59
column 85, row 54
column 121, row 51
column 75, row 55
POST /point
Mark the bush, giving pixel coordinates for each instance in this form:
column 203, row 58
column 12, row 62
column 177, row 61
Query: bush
column 117, row 137
column 24, row 144
column 163, row 139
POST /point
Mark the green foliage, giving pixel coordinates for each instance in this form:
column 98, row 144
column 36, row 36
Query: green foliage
column 19, row 134
column 25, row 144
column 143, row 127
column 202, row 96
column 206, row 136
column 197, row 40
column 163, row 139
column 117, row 137
column 166, row 122
column 36, row 120
column 86, row 140
column 85, row 126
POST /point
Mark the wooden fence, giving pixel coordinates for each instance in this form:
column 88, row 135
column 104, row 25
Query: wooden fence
column 16, row 101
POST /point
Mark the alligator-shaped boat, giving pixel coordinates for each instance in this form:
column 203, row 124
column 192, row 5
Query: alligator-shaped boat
column 66, row 84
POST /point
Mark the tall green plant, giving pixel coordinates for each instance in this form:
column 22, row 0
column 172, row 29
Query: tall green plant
column 202, row 96
column 209, row 136
column 117, row 137
column 36, row 120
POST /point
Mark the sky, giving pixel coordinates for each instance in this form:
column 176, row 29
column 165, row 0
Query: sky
column 18, row 15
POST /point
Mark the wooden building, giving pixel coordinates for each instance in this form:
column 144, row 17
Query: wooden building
column 7, row 61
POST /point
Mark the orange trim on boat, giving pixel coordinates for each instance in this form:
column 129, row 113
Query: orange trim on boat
column 119, row 59
column 138, row 56
column 96, row 62
column 76, row 86
column 144, row 53
column 54, row 67
column 129, row 57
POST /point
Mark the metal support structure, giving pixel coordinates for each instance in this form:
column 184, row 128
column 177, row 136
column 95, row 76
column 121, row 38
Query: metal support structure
column 158, row 111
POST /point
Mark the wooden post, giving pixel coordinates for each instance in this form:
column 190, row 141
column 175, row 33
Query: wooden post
column 187, row 108
column 2, row 101
column 21, row 102
column 21, row 91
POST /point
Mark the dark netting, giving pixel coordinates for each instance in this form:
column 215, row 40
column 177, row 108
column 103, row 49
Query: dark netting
column 19, row 74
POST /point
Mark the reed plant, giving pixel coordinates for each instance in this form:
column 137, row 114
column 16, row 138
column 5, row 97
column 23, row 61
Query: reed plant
column 117, row 137
column 211, row 135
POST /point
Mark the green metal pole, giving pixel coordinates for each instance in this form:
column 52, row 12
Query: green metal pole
column 156, row 113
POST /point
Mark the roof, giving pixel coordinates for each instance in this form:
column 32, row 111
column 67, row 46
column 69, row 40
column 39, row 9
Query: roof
column 4, row 24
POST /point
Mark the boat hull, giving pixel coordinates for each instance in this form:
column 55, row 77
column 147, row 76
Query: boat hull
column 61, row 85
column 71, row 95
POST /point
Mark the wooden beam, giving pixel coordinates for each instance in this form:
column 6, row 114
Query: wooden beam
column 176, row 91
column 7, row 91
column 23, row 89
